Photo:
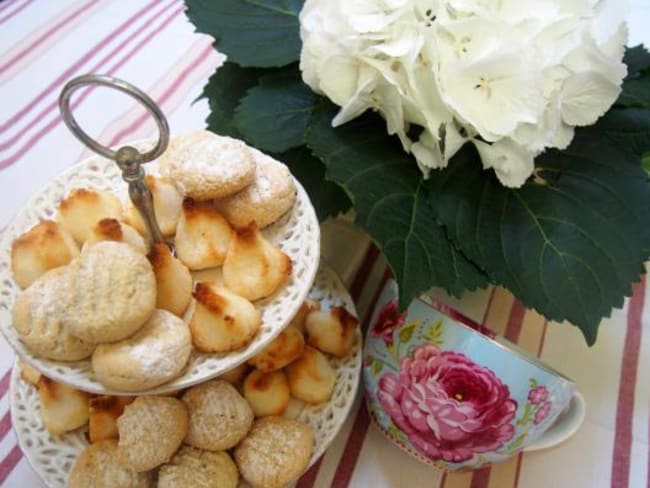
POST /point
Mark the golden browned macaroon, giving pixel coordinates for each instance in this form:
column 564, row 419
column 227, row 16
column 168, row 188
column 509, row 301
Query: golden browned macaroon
column 203, row 235
column 198, row 468
column 28, row 373
column 298, row 321
column 62, row 407
column 236, row 374
column 80, row 211
column 222, row 321
column 167, row 203
column 219, row 416
column 205, row 165
column 266, row 199
column 157, row 353
column 173, row 280
column 39, row 318
column 151, row 430
column 267, row 393
column 104, row 412
column 111, row 292
column 114, row 230
column 43, row 247
column 311, row 377
column 284, row 349
column 275, row 452
column 332, row 331
column 254, row 268
column 97, row 467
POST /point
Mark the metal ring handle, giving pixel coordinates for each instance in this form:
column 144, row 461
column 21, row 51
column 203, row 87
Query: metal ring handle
column 123, row 86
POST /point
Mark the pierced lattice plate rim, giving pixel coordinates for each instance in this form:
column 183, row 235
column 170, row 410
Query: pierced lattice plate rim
column 297, row 234
column 52, row 458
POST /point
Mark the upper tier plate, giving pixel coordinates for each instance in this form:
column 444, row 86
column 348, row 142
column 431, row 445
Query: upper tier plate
column 297, row 234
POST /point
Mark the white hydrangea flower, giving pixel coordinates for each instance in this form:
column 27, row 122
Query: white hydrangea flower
column 512, row 77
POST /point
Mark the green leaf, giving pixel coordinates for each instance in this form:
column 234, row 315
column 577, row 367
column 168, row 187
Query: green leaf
column 225, row 88
column 517, row 443
column 259, row 33
column 645, row 162
column 636, row 91
column 569, row 248
column 390, row 199
column 377, row 366
column 406, row 333
column 328, row 198
column 273, row 116
column 533, row 383
column 637, row 59
column 434, row 332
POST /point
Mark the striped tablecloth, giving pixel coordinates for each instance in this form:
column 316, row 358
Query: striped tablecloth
column 43, row 43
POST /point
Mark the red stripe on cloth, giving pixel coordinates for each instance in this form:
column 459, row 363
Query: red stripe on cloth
column 8, row 464
column 520, row 458
column 4, row 383
column 46, row 35
column 84, row 93
column 308, row 479
column 540, row 349
column 626, row 389
column 352, row 449
column 71, row 70
column 204, row 54
column 18, row 10
column 515, row 321
column 480, row 478
column 5, row 424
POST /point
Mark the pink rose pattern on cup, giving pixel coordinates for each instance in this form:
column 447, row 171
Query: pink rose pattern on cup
column 538, row 394
column 449, row 407
column 388, row 321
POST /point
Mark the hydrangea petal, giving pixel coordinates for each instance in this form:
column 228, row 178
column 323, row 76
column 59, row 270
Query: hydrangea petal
column 511, row 162
column 586, row 97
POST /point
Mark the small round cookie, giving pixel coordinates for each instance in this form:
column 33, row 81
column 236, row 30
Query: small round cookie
column 270, row 196
column 173, row 280
column 167, row 201
column 45, row 246
column 199, row 469
column 206, row 166
column 275, row 452
column 111, row 292
column 80, row 211
column 151, row 430
column 219, row 416
column 267, row 393
column 114, row 230
column 155, row 354
column 38, row 319
column 311, row 377
column 97, row 467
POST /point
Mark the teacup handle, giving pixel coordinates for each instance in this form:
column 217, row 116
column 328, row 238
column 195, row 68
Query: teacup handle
column 565, row 425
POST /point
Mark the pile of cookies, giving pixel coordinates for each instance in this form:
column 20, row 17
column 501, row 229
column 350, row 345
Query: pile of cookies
column 93, row 288
column 211, row 434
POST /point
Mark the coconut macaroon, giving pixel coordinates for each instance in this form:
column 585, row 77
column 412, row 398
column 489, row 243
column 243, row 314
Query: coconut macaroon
column 80, row 211
column 267, row 393
column 114, row 230
column 236, row 374
column 39, row 318
column 298, row 320
column 104, row 412
column 203, row 235
column 62, row 408
column 254, row 268
column 284, row 349
column 332, row 331
column 311, row 377
column 43, row 247
column 98, row 466
column 271, row 194
column 167, row 205
column 205, row 165
column 222, row 321
column 151, row 430
column 173, row 280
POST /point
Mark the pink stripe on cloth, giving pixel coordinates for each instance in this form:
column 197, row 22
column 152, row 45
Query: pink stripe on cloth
column 4, row 383
column 5, row 425
column 71, row 70
column 480, row 478
column 6, row 4
column 515, row 321
column 352, row 449
column 84, row 93
column 204, row 54
column 18, row 10
column 46, row 35
column 10, row 461
column 626, row 389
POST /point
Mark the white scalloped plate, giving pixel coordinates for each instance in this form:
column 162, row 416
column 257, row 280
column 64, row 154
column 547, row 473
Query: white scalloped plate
column 297, row 234
column 52, row 458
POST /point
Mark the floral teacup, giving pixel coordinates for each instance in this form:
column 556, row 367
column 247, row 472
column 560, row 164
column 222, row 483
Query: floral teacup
column 455, row 398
